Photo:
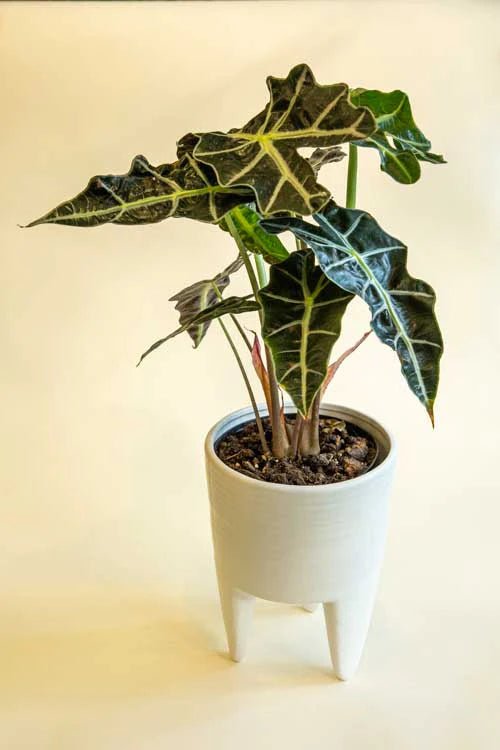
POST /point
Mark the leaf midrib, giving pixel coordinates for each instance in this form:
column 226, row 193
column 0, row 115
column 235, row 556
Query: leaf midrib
column 126, row 206
column 388, row 304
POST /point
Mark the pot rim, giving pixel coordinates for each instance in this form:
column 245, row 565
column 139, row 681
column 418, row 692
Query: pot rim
column 383, row 466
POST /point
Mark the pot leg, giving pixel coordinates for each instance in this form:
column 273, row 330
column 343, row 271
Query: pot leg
column 311, row 607
column 237, row 610
column 347, row 623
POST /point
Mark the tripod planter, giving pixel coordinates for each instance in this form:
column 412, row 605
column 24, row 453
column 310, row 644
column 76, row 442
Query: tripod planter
column 301, row 544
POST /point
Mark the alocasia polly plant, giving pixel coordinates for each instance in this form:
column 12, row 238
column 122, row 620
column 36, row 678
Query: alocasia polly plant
column 255, row 182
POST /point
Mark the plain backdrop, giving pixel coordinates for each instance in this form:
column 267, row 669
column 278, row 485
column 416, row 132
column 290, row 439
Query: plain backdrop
column 110, row 632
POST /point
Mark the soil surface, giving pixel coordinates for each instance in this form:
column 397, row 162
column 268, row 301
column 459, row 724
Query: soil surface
column 346, row 451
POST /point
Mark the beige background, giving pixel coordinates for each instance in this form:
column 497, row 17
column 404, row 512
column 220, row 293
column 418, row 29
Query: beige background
column 110, row 633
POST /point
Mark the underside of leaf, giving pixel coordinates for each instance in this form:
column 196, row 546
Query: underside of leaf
column 229, row 306
column 200, row 295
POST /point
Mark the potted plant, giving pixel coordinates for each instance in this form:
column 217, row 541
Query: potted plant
column 298, row 492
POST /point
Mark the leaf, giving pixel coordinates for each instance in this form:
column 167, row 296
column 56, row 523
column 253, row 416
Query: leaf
column 332, row 369
column 393, row 115
column 358, row 255
column 263, row 153
column 261, row 371
column 229, row 306
column 322, row 156
column 302, row 313
column 200, row 295
column 256, row 239
column 148, row 194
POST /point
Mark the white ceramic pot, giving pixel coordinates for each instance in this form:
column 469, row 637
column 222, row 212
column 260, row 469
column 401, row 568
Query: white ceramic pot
column 301, row 544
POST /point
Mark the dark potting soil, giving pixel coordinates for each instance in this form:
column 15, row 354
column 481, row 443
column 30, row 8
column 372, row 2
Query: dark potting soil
column 346, row 452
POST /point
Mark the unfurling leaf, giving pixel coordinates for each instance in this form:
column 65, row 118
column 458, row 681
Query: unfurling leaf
column 148, row 194
column 255, row 239
column 332, row 369
column 263, row 153
column 393, row 115
column 229, row 306
column 197, row 297
column 358, row 255
column 261, row 371
column 302, row 314
column 322, row 156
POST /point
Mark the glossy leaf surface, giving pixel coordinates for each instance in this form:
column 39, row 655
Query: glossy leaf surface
column 302, row 314
column 200, row 295
column 263, row 153
column 148, row 194
column 358, row 255
column 229, row 306
column 401, row 144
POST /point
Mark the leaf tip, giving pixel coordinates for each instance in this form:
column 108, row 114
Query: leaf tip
column 31, row 224
column 430, row 412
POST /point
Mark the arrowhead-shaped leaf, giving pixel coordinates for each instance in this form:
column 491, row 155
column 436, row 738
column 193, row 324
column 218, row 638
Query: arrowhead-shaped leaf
column 302, row 314
column 263, row 153
column 200, row 295
column 358, row 255
column 393, row 115
column 229, row 306
column 148, row 194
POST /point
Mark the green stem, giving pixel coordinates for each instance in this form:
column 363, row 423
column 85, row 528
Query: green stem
column 352, row 172
column 261, row 270
column 280, row 439
column 258, row 420
column 299, row 244
column 233, row 229
column 241, row 332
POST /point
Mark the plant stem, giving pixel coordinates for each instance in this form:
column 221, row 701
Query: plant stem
column 258, row 420
column 280, row 439
column 314, row 446
column 244, row 255
column 261, row 270
column 299, row 244
column 235, row 320
column 241, row 332
column 296, row 435
column 352, row 172
column 310, row 436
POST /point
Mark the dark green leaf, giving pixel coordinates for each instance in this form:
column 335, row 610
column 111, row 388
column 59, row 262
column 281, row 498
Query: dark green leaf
column 229, row 306
column 256, row 239
column 263, row 153
column 356, row 253
column 199, row 296
column 302, row 314
column 148, row 194
column 393, row 115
